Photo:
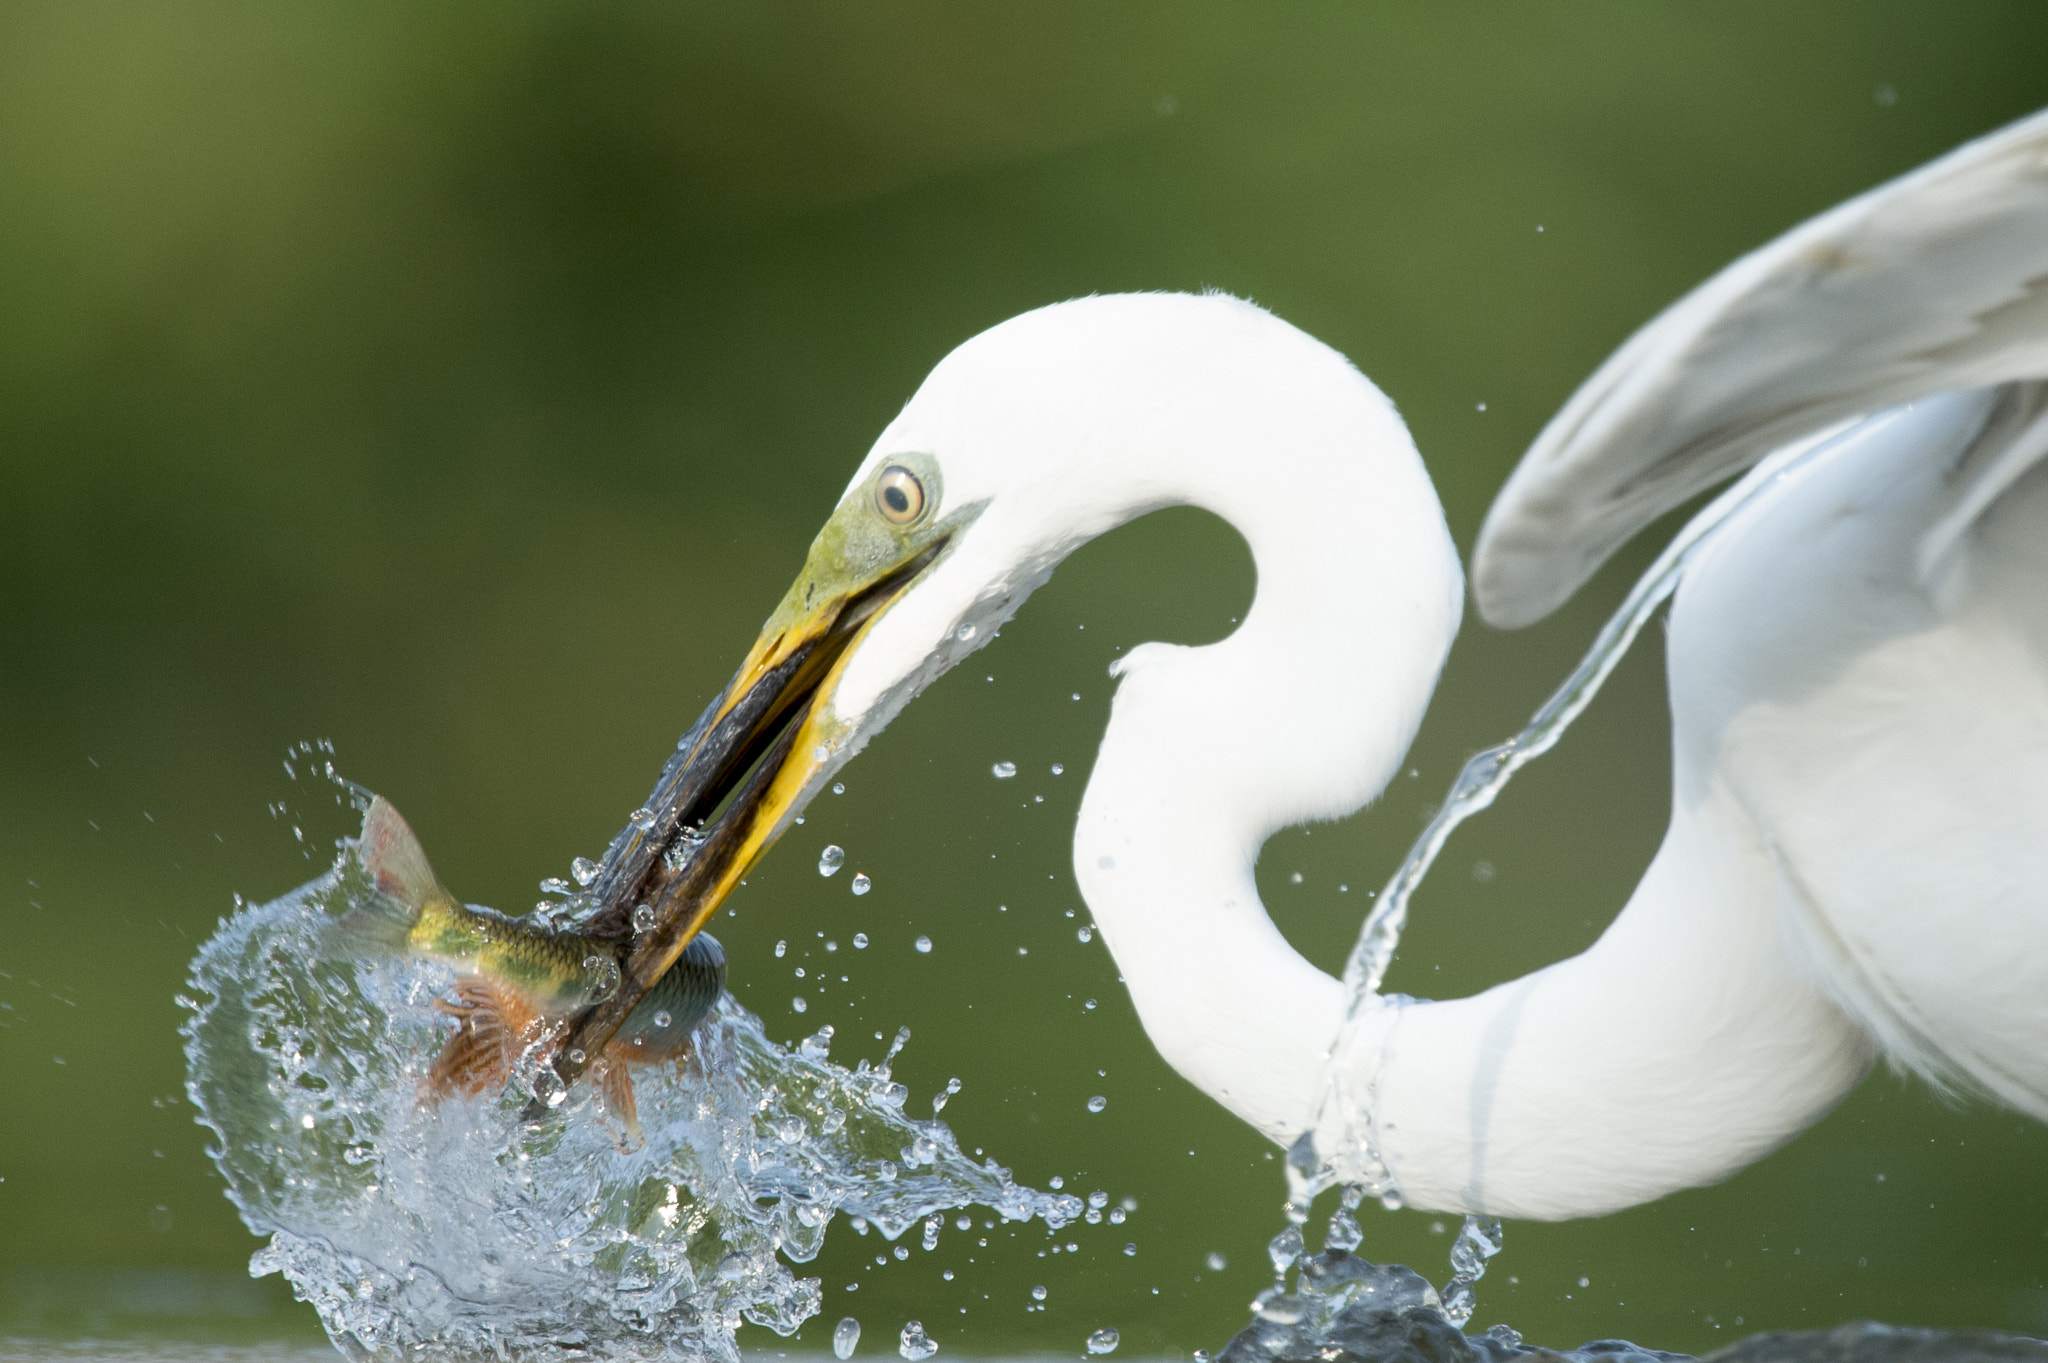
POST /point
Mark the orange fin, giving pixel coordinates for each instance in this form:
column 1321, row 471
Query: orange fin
column 492, row 1026
column 617, row 1087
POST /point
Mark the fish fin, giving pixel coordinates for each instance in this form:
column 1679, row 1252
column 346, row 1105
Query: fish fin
column 617, row 1087
column 397, row 864
column 492, row 1026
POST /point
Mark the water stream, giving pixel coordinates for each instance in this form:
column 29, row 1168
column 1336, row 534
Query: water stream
column 1339, row 1305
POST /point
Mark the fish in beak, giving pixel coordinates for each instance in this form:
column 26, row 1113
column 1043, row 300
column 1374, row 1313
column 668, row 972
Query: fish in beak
column 760, row 751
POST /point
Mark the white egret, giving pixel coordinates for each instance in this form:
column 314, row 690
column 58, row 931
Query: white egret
column 1702, row 1029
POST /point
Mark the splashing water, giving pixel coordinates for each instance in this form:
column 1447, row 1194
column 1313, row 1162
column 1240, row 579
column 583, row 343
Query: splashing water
column 453, row 1231
column 914, row 1344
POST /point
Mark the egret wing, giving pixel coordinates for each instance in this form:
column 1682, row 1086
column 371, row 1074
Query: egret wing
column 1937, row 280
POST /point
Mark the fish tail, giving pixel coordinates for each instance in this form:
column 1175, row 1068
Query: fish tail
column 397, row 864
column 401, row 881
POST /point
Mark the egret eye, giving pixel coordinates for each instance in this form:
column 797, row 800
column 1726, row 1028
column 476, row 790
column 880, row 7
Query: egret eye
column 899, row 496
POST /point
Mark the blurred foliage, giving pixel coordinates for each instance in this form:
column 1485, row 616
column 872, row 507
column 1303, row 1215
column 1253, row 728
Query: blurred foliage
column 463, row 383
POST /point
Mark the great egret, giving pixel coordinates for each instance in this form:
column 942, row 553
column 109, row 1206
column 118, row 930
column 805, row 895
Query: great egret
column 1708, row 1024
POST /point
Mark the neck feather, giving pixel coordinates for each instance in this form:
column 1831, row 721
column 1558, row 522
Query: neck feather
column 1303, row 713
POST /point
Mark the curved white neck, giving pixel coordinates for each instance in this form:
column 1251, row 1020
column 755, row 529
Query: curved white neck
column 1303, row 713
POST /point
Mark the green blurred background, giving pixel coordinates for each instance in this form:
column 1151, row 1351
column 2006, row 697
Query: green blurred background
column 464, row 382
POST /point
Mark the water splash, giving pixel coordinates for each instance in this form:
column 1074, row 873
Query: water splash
column 914, row 1344
column 453, row 1231
column 1348, row 1310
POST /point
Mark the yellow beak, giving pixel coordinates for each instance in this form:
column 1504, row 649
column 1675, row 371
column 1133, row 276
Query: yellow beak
column 737, row 779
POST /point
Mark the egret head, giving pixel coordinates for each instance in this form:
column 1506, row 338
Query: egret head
column 1023, row 444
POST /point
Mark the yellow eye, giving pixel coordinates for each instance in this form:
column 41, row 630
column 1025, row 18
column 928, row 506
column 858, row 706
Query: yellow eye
column 899, row 496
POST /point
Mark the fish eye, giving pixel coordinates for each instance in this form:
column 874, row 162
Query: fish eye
column 899, row 496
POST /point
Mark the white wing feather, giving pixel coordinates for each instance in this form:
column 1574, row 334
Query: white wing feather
column 1937, row 280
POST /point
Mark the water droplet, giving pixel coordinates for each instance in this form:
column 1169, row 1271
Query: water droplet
column 1098, row 1199
column 1059, row 768
column 845, row 1336
column 839, row 787
column 1117, row 1215
column 1088, row 1005
column 1130, row 1251
column 604, row 976
column 642, row 819
column 1097, row 1103
column 780, row 949
column 1585, row 1282
column 643, row 918
column 914, row 1344
column 923, row 945
column 861, row 883
column 1103, row 1341
column 831, row 859
column 1084, row 934
column 1057, row 1182
column 1295, row 878
column 1216, row 1262
column 584, row 870
column 1284, row 1249
column 831, row 947
column 576, row 1055
column 860, row 941
column 1004, row 770
column 1038, row 1293
column 964, row 633
column 799, row 1004
column 932, row 1225
column 663, row 1018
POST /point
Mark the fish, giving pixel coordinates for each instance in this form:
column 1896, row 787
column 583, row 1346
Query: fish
column 517, row 982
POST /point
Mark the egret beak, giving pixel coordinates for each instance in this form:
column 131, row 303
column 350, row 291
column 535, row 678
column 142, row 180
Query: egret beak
column 735, row 781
